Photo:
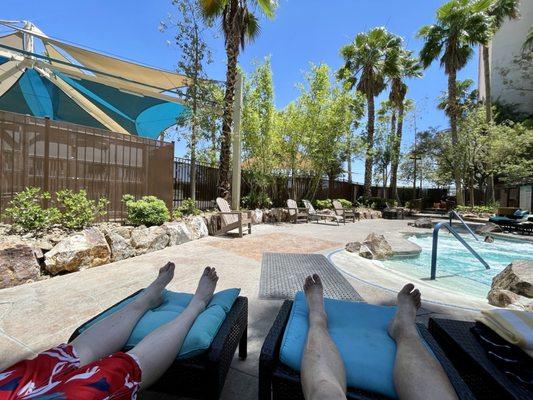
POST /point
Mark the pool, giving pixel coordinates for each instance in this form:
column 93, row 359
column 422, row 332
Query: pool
column 457, row 268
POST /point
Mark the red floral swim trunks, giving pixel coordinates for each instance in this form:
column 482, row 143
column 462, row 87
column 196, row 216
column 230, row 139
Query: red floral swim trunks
column 56, row 374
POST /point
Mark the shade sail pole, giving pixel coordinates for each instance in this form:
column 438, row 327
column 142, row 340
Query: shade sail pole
column 236, row 170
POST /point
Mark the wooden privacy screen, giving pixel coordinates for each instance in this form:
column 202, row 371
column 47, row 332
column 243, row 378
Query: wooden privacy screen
column 55, row 155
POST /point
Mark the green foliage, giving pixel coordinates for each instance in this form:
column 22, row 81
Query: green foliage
column 345, row 203
column 149, row 210
column 77, row 211
column 377, row 203
column 26, row 212
column 323, row 204
column 256, row 200
column 186, row 208
column 489, row 209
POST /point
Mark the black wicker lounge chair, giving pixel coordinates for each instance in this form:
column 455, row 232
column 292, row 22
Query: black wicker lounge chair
column 279, row 382
column 203, row 376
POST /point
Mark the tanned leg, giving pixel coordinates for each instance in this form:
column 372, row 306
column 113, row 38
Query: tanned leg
column 111, row 333
column 157, row 351
column 323, row 375
column 417, row 374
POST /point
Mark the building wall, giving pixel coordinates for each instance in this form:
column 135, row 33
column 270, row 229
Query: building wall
column 511, row 70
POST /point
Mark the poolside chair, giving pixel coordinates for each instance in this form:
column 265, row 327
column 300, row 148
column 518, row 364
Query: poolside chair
column 345, row 213
column 297, row 213
column 316, row 216
column 277, row 381
column 202, row 376
column 230, row 220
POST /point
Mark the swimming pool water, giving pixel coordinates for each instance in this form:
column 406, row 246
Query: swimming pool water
column 457, row 265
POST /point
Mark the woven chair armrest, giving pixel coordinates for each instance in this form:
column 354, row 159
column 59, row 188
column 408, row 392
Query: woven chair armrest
column 236, row 319
column 270, row 350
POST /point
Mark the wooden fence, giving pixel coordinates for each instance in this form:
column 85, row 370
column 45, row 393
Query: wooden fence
column 55, row 155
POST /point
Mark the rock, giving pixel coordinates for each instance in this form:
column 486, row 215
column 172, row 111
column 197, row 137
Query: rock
column 517, row 277
column 257, row 216
column 506, row 298
column 488, row 239
column 44, row 245
column 18, row 265
column 378, row 246
column 488, row 228
column 83, row 250
column 365, row 252
column 197, row 226
column 423, row 223
column 178, row 233
column 353, row 247
column 124, row 231
column 146, row 240
column 121, row 247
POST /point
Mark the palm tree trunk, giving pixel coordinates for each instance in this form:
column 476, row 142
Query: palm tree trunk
column 370, row 146
column 395, row 159
column 453, row 110
column 349, row 157
column 488, row 116
column 232, row 53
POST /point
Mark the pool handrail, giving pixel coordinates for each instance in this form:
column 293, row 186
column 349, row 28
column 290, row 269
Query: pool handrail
column 454, row 213
column 436, row 230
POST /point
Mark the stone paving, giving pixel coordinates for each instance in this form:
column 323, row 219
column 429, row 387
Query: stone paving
column 39, row 315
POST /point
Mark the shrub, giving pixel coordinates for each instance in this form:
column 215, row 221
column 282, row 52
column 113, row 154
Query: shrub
column 187, row 207
column 489, row 209
column 148, row 210
column 77, row 211
column 27, row 213
column 345, row 203
column 256, row 200
column 377, row 203
column 323, row 204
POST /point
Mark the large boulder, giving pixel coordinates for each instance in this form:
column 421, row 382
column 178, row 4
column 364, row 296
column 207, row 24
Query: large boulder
column 257, row 216
column 178, row 233
column 488, row 228
column 353, row 247
column 423, row 223
column 121, row 247
column 146, row 240
column 517, row 277
column 83, row 250
column 198, row 227
column 378, row 247
column 506, row 298
column 18, row 265
column 365, row 252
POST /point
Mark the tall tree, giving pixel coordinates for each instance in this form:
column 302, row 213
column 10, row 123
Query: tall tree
column 407, row 67
column 367, row 61
column 239, row 25
column 460, row 25
column 195, row 56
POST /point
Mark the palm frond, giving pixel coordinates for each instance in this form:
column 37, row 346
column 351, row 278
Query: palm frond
column 212, row 8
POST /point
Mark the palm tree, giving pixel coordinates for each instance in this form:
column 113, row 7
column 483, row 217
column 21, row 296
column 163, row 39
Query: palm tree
column 239, row 25
column 367, row 61
column 406, row 67
column 460, row 25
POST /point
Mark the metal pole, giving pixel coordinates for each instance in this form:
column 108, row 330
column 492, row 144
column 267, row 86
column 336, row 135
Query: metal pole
column 236, row 170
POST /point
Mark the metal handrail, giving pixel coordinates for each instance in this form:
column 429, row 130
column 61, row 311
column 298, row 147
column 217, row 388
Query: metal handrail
column 454, row 213
column 458, row 237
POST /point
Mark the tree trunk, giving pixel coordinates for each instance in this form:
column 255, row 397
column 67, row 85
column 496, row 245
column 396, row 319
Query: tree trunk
column 193, row 163
column 488, row 117
column 453, row 110
column 349, row 157
column 395, row 156
column 370, row 146
column 232, row 53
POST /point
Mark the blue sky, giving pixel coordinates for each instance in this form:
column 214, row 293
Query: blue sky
column 303, row 31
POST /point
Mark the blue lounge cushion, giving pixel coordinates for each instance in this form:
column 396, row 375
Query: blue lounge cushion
column 202, row 332
column 520, row 213
column 359, row 331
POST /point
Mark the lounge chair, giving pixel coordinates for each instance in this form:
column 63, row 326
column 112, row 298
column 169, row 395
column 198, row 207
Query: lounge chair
column 279, row 382
column 297, row 213
column 316, row 216
column 513, row 220
column 230, row 220
column 202, row 376
column 345, row 213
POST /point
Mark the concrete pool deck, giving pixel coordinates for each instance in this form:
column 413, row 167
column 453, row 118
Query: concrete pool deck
column 39, row 315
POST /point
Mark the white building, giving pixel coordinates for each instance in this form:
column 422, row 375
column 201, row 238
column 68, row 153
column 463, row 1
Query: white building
column 511, row 69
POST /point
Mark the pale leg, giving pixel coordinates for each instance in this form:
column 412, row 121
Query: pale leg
column 323, row 375
column 417, row 374
column 111, row 333
column 157, row 351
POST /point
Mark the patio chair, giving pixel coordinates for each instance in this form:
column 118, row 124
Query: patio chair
column 297, row 213
column 202, row 376
column 230, row 220
column 316, row 216
column 279, row 382
column 345, row 213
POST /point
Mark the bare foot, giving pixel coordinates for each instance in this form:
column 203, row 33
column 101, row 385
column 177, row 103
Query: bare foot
column 153, row 292
column 314, row 292
column 206, row 287
column 409, row 300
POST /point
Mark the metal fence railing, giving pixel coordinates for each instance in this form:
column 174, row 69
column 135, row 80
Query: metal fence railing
column 54, row 155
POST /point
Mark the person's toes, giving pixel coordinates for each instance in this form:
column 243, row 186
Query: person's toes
column 317, row 279
column 308, row 282
column 207, row 271
column 407, row 289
